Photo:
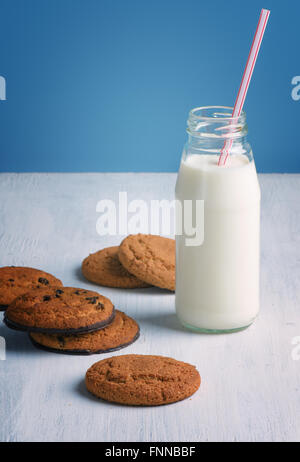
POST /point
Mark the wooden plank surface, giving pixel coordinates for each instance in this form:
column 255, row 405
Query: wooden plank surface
column 250, row 380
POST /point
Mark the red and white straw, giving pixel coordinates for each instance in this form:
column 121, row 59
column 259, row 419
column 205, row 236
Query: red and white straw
column 239, row 103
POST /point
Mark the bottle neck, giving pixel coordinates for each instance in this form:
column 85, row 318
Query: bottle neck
column 211, row 126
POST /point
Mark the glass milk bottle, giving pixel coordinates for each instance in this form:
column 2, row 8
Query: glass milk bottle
column 217, row 280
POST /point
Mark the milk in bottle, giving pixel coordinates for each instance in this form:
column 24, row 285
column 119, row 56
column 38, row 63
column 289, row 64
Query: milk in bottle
column 217, row 282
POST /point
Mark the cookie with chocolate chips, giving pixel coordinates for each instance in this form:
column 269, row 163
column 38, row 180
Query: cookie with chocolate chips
column 120, row 333
column 16, row 280
column 60, row 310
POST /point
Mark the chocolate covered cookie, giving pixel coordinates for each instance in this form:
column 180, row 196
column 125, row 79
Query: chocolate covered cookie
column 60, row 310
column 120, row 333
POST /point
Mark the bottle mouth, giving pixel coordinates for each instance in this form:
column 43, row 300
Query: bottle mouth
column 216, row 122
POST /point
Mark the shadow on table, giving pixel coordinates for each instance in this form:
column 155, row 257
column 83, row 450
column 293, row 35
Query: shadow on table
column 78, row 274
column 163, row 320
column 81, row 389
column 16, row 341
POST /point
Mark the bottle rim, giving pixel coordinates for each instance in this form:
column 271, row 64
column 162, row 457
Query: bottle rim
column 220, row 115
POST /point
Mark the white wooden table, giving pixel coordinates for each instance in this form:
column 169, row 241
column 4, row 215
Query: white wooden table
column 250, row 382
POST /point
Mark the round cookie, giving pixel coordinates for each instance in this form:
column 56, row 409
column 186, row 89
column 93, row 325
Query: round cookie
column 63, row 310
column 104, row 268
column 16, row 280
column 120, row 333
column 150, row 258
column 142, row 380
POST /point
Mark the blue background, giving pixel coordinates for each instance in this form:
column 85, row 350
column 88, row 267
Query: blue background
column 106, row 85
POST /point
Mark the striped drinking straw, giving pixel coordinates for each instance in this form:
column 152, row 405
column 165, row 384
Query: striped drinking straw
column 239, row 103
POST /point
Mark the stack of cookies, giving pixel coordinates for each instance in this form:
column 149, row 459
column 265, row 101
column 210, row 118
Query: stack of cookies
column 62, row 319
column 141, row 260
